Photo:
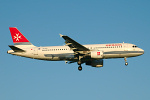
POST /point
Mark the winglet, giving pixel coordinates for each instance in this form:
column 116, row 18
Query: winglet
column 61, row 35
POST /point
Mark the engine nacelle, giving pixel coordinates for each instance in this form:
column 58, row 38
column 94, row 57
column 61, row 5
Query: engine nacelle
column 96, row 54
column 95, row 63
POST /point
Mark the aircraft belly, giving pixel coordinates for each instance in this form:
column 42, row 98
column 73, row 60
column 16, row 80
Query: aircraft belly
column 66, row 56
column 121, row 54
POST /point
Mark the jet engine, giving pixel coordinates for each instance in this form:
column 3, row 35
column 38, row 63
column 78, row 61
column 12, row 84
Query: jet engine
column 96, row 54
column 95, row 63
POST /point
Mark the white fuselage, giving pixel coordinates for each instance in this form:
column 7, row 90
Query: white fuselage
column 56, row 53
column 73, row 51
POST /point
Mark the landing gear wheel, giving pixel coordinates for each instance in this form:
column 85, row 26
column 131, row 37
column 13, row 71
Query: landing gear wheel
column 79, row 68
column 126, row 63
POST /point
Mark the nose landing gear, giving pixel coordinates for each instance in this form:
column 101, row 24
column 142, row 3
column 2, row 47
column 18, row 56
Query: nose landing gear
column 126, row 63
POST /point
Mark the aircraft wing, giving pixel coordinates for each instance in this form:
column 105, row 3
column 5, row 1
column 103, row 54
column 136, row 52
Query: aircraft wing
column 75, row 46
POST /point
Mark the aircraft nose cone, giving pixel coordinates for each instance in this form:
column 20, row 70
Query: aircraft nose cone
column 142, row 51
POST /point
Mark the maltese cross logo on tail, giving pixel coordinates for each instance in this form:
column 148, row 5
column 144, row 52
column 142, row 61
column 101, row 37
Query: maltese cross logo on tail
column 17, row 37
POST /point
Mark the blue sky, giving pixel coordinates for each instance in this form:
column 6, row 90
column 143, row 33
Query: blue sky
column 87, row 22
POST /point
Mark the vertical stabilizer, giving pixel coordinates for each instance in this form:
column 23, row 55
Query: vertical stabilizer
column 17, row 37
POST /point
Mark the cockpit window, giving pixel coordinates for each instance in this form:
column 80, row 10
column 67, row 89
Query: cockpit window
column 134, row 46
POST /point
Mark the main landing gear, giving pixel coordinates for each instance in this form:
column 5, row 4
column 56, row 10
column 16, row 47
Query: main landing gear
column 80, row 67
column 125, row 59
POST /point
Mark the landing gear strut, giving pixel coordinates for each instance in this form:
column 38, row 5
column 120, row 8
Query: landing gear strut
column 79, row 63
column 126, row 63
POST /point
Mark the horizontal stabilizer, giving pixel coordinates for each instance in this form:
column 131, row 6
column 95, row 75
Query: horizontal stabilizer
column 16, row 49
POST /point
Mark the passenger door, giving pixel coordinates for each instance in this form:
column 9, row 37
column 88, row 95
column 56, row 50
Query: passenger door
column 125, row 47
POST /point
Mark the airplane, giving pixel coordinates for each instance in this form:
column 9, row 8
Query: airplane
column 72, row 52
